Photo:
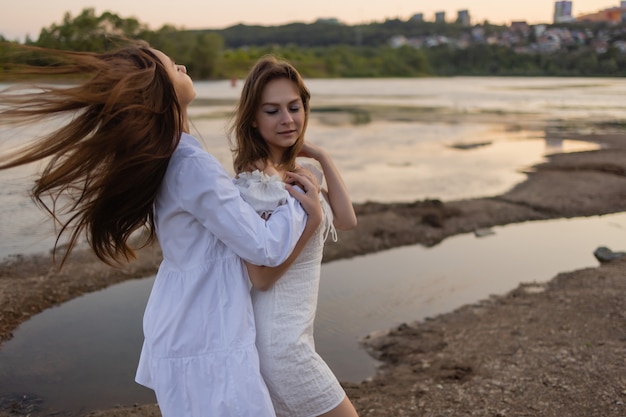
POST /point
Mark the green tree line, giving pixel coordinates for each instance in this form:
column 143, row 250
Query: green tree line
column 319, row 50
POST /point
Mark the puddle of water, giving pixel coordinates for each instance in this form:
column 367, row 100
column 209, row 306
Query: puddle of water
column 382, row 290
column 82, row 355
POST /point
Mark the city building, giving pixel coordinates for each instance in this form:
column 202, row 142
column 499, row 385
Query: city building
column 440, row 17
column 563, row 12
column 463, row 17
column 417, row 17
column 521, row 27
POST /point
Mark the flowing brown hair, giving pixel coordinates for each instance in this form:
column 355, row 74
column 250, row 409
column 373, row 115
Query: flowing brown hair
column 248, row 145
column 104, row 165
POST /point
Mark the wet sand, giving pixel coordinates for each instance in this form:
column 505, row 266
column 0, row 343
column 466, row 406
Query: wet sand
column 553, row 349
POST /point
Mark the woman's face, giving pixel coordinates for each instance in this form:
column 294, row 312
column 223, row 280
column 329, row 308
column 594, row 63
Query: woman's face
column 280, row 116
column 178, row 74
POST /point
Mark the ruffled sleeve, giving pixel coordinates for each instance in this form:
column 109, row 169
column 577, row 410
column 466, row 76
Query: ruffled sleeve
column 263, row 192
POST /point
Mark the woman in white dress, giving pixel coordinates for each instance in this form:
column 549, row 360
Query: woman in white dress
column 123, row 162
column 268, row 127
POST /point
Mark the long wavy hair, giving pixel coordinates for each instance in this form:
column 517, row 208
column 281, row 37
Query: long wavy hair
column 247, row 144
column 103, row 166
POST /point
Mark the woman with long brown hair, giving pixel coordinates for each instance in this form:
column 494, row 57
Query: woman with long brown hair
column 268, row 132
column 122, row 161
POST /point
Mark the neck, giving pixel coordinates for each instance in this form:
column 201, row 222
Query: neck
column 185, row 120
column 275, row 158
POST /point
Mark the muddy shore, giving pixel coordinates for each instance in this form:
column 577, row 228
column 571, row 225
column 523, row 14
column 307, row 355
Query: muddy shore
column 554, row 349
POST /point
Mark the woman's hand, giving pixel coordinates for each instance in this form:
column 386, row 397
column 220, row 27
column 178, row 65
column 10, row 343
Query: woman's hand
column 308, row 174
column 306, row 192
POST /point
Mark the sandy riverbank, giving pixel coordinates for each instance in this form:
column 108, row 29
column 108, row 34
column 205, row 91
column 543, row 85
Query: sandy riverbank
column 551, row 350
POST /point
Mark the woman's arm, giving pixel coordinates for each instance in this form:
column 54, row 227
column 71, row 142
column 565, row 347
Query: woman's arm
column 263, row 277
column 203, row 188
column 344, row 217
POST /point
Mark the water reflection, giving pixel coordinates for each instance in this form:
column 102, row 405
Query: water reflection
column 399, row 170
column 83, row 355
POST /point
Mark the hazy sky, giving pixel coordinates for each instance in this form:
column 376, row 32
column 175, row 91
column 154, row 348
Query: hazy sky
column 19, row 18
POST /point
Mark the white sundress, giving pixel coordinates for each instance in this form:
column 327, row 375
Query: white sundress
column 300, row 383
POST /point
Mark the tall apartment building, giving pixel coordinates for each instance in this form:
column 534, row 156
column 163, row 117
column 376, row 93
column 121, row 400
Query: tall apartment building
column 440, row 17
column 563, row 11
column 463, row 17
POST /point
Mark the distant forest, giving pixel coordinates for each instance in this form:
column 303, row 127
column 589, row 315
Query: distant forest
column 322, row 49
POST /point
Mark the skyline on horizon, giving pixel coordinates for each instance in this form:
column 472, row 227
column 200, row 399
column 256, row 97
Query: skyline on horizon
column 28, row 17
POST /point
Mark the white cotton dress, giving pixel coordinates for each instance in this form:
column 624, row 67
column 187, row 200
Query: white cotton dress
column 199, row 353
column 300, row 383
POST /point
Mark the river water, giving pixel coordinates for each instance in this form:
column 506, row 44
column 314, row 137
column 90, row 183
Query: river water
column 385, row 160
column 82, row 355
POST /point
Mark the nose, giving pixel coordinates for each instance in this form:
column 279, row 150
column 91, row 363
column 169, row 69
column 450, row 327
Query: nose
column 182, row 68
column 287, row 118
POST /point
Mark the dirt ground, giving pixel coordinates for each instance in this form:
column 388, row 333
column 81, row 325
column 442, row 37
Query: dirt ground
column 554, row 349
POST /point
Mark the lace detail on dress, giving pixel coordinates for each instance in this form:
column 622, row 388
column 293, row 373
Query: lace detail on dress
column 263, row 192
